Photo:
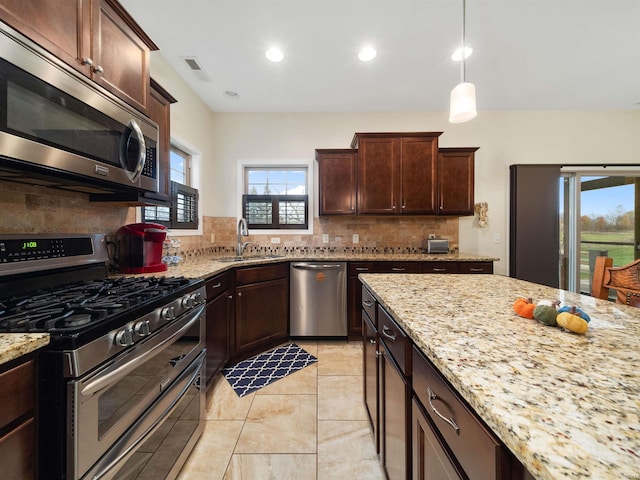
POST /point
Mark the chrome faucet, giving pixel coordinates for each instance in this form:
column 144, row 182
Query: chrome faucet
column 242, row 232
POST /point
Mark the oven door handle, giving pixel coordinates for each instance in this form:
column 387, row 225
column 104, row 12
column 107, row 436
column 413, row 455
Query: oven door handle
column 105, row 469
column 117, row 372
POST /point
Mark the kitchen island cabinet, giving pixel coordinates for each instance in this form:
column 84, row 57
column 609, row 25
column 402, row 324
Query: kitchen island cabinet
column 561, row 405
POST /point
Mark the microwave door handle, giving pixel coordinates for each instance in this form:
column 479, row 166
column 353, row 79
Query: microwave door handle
column 134, row 129
column 113, row 375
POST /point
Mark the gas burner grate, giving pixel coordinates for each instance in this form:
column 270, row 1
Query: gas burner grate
column 75, row 306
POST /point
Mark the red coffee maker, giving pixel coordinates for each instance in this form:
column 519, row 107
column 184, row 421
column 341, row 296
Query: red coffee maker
column 140, row 248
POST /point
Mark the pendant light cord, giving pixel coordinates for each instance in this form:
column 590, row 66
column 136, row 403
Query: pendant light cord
column 462, row 67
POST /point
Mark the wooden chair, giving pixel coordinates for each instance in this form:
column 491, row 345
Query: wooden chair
column 624, row 280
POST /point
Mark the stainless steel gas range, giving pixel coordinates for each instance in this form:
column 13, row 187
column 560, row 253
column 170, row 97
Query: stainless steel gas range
column 121, row 385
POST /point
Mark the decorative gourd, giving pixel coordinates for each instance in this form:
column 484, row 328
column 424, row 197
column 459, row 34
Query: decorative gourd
column 571, row 321
column 524, row 307
column 575, row 311
column 546, row 314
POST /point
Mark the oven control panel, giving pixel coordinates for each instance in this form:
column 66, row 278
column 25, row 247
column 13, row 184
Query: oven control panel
column 33, row 248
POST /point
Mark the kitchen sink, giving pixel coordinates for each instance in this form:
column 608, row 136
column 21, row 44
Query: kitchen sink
column 243, row 259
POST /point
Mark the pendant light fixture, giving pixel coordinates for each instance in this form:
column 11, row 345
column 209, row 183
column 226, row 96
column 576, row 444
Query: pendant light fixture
column 463, row 96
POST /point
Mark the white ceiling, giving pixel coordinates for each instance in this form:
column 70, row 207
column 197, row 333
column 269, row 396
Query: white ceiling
column 528, row 54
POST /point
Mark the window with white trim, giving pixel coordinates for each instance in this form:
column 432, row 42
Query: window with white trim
column 183, row 210
column 276, row 198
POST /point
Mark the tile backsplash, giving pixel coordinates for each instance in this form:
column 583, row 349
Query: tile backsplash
column 32, row 209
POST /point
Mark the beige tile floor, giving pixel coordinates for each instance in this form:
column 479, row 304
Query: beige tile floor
column 310, row 425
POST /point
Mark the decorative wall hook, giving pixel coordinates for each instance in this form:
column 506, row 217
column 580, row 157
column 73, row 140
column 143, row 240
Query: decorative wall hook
column 482, row 214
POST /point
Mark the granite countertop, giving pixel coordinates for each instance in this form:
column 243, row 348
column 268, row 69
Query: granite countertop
column 567, row 405
column 203, row 266
column 14, row 345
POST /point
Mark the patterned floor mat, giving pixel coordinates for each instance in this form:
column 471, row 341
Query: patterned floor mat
column 263, row 369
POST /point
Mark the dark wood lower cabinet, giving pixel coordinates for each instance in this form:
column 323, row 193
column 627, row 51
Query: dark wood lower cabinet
column 261, row 309
column 394, row 432
column 219, row 322
column 17, row 424
column 430, row 458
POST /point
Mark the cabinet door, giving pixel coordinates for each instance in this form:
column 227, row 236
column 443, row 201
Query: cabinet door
column 455, row 181
column 337, row 181
column 430, row 459
column 378, row 175
column 418, row 175
column 16, row 452
column 354, row 297
column 219, row 312
column 120, row 57
column 394, row 419
column 371, row 373
column 57, row 25
column 261, row 314
column 159, row 110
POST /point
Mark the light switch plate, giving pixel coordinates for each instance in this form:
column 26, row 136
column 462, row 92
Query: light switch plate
column 275, row 240
column 356, row 238
column 325, row 238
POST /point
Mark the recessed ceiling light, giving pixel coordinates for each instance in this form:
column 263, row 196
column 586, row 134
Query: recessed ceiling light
column 457, row 55
column 274, row 54
column 367, row 54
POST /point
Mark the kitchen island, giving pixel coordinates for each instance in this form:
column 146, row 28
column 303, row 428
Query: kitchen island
column 566, row 405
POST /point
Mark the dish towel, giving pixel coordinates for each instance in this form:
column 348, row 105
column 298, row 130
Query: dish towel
column 256, row 372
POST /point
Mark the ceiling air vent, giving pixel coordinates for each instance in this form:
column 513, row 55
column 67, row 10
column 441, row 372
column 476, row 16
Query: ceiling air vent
column 194, row 66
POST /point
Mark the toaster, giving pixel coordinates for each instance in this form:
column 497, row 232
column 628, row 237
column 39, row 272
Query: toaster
column 436, row 245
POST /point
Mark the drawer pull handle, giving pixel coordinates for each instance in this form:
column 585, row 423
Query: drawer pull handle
column 217, row 285
column 362, row 269
column 397, row 269
column 439, row 269
column 367, row 303
column 472, row 269
column 386, row 329
column 450, row 421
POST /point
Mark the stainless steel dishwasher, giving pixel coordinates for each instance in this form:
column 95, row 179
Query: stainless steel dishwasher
column 318, row 299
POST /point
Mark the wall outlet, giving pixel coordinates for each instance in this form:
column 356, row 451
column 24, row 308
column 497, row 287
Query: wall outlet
column 275, row 240
column 213, row 238
column 325, row 238
column 432, row 236
column 496, row 238
column 355, row 238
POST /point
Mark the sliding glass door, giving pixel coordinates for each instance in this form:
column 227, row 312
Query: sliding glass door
column 597, row 217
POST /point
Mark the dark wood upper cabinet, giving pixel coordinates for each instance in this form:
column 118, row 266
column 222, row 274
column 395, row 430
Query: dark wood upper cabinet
column 456, row 181
column 396, row 172
column 159, row 110
column 337, row 181
column 96, row 37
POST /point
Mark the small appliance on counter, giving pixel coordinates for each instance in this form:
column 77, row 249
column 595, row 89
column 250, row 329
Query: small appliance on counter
column 435, row 245
column 140, row 248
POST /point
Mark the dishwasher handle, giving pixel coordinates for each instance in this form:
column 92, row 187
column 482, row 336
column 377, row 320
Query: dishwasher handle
column 324, row 266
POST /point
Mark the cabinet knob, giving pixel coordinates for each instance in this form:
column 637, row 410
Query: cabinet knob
column 99, row 70
column 87, row 61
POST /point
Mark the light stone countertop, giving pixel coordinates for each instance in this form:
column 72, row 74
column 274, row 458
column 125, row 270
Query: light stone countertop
column 14, row 345
column 203, row 266
column 567, row 405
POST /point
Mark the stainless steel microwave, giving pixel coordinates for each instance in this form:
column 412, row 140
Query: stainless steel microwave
column 57, row 128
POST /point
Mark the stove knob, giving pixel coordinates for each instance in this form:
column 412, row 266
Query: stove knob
column 142, row 328
column 187, row 301
column 124, row 338
column 197, row 298
column 168, row 313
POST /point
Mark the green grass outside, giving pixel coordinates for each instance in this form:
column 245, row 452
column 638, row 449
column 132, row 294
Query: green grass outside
column 621, row 254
